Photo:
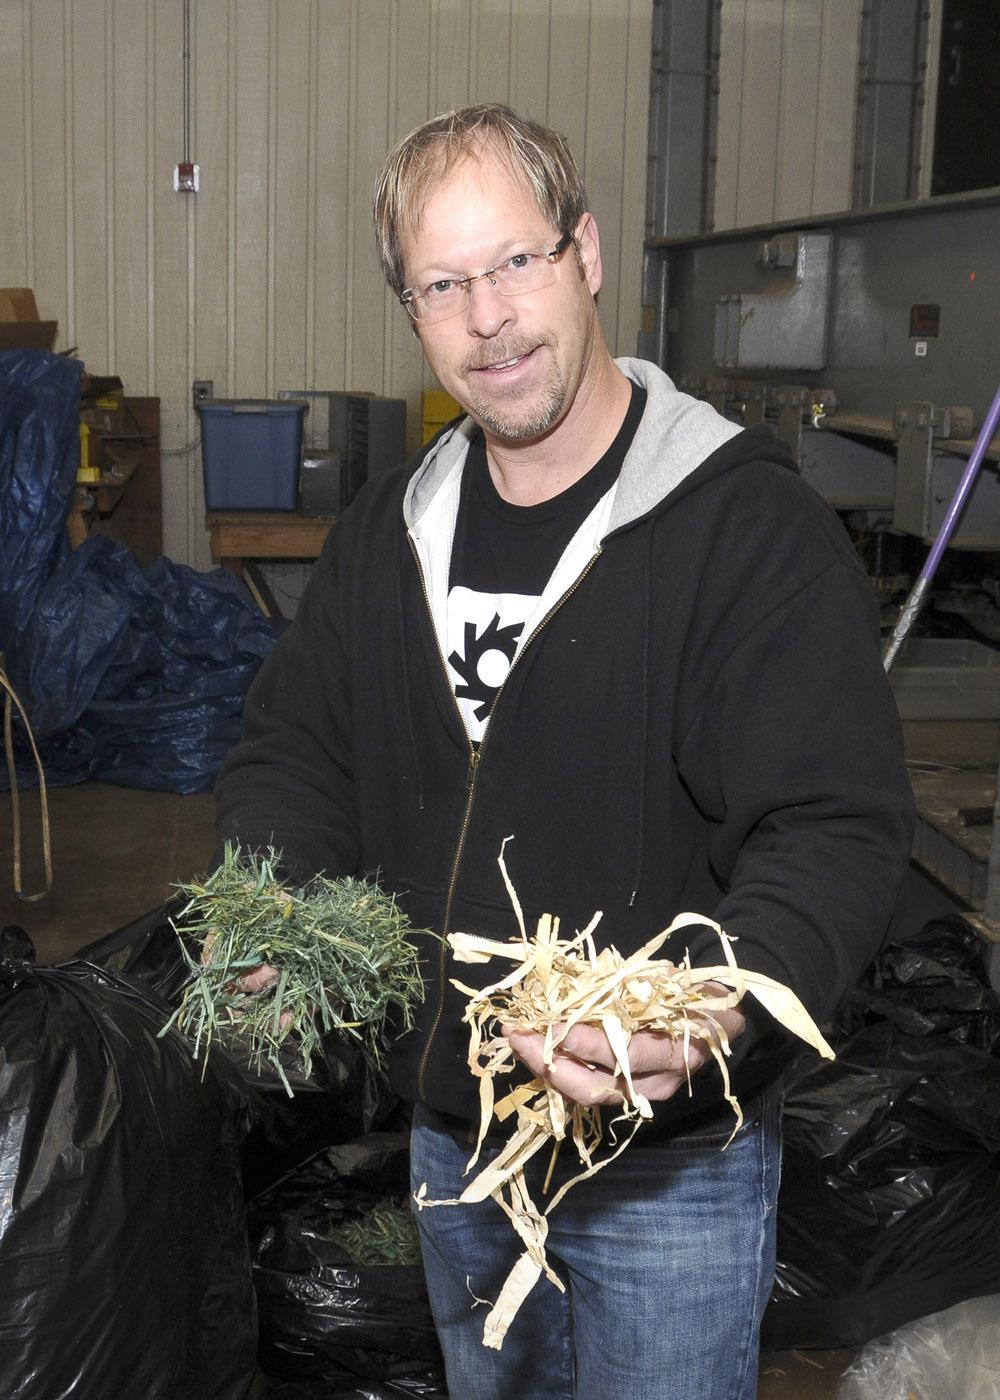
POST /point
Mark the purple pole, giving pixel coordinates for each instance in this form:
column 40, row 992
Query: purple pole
column 910, row 609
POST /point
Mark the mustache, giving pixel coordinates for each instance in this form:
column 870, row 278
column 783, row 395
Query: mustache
column 497, row 352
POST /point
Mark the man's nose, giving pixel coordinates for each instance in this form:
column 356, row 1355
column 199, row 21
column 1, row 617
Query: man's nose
column 488, row 312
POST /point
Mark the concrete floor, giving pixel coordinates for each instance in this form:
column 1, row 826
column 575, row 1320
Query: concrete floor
column 117, row 852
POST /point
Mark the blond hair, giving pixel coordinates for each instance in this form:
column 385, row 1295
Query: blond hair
column 538, row 156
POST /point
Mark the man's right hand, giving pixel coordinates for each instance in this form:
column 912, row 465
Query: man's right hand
column 257, row 980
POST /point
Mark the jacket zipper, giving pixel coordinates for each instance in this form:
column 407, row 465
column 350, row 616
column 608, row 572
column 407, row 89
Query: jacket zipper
column 475, row 761
column 475, row 758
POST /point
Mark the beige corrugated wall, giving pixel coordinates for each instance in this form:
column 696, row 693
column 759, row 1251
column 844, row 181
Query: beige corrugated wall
column 788, row 82
column 267, row 278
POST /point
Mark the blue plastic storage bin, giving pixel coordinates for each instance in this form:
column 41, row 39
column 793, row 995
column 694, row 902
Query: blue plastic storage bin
column 251, row 450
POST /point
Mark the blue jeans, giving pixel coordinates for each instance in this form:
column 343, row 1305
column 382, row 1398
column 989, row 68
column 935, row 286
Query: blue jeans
column 667, row 1255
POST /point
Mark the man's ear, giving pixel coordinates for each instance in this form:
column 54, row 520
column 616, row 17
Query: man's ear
column 588, row 246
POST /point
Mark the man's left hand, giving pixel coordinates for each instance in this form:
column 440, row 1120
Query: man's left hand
column 583, row 1065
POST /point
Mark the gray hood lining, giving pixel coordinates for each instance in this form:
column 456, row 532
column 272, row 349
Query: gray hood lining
column 675, row 435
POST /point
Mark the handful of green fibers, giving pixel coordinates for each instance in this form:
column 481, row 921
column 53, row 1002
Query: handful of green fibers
column 339, row 946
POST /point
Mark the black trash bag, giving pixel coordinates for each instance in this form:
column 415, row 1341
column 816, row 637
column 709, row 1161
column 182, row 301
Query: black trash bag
column 890, row 1196
column 124, row 1259
column 413, row 1386
column 932, row 982
column 343, row 1098
column 326, row 1321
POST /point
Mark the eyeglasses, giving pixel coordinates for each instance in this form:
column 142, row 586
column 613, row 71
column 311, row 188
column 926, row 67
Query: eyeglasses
column 522, row 272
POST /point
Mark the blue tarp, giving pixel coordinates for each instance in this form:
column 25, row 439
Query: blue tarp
column 129, row 675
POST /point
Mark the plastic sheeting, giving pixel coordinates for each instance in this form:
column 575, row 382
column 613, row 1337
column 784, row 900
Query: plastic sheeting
column 129, row 675
column 39, row 453
column 124, row 1262
column 952, row 1355
column 890, row 1199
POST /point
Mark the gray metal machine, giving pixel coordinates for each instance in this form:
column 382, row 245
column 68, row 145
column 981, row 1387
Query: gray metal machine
column 869, row 339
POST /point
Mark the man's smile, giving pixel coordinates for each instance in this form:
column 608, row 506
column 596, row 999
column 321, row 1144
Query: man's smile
column 505, row 365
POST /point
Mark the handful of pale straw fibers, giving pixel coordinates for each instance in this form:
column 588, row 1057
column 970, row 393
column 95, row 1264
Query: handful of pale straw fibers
column 556, row 984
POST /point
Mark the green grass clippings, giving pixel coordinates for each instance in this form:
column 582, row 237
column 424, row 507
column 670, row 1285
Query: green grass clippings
column 385, row 1234
column 340, row 948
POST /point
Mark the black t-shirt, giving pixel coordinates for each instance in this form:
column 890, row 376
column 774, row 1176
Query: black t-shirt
column 502, row 557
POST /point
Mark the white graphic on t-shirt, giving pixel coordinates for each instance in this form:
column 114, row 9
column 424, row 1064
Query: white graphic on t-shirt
column 483, row 634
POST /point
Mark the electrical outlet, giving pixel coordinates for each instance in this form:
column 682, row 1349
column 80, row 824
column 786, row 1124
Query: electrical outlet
column 201, row 391
column 186, row 177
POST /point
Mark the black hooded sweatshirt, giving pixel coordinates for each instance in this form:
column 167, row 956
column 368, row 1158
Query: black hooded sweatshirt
column 700, row 722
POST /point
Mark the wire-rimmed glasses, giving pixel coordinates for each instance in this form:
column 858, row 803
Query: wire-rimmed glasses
column 527, row 270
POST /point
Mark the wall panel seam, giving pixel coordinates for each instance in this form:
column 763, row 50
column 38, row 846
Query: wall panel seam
column 68, row 173
column 110, row 186
column 391, row 102
column 27, row 135
column 586, row 106
column 623, row 213
column 273, row 41
column 821, row 186
column 511, row 49
column 432, row 86
column 628, row 219
column 473, row 68
column 548, row 69
column 190, row 225
column 809, row 185
column 351, row 242
column 233, row 156
column 779, row 124
column 312, row 159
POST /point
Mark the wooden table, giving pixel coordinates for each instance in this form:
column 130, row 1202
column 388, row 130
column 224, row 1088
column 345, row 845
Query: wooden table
column 237, row 536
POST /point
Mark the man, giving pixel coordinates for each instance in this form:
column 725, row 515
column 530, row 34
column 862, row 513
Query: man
column 596, row 616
